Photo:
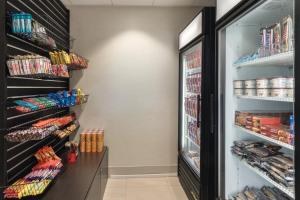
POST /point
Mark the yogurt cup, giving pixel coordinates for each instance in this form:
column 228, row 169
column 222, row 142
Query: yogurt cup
column 238, row 92
column 278, row 82
column 263, row 92
column 279, row 92
column 262, row 83
column 290, row 82
column 250, row 84
column 238, row 84
column 250, row 92
column 290, row 93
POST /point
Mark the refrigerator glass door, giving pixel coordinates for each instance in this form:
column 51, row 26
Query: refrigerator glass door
column 256, row 109
column 191, row 69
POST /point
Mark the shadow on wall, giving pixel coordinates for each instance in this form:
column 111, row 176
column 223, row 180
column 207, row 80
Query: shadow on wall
column 132, row 80
column 101, row 25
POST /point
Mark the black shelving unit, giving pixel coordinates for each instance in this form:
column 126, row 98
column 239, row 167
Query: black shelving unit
column 17, row 158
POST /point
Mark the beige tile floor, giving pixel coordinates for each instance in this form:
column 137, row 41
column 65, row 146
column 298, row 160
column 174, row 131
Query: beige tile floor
column 167, row 188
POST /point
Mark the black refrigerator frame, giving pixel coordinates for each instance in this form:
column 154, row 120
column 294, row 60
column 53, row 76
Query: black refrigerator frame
column 200, row 187
column 236, row 12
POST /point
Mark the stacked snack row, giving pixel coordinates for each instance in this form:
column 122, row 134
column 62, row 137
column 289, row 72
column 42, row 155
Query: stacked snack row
column 69, row 98
column 193, row 60
column 194, row 132
column 60, row 99
column 24, row 26
column 265, row 193
column 67, row 131
column 193, row 83
column 92, row 140
column 278, row 126
column 35, row 183
column 40, row 130
column 191, row 106
column 275, row 39
column 35, row 65
column 33, row 104
column 72, row 60
column 265, row 87
column 268, row 159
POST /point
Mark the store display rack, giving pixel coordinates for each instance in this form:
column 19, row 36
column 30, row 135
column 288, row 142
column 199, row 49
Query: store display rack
column 16, row 159
column 268, row 139
column 281, row 60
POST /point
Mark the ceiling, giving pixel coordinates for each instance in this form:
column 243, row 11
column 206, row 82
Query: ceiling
column 141, row 2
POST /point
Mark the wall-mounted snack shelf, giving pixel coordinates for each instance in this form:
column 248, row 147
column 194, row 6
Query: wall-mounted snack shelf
column 35, row 188
column 262, row 174
column 282, row 99
column 35, row 47
column 12, row 113
column 282, row 144
column 282, row 59
column 76, row 67
column 46, row 137
column 41, row 77
column 17, row 158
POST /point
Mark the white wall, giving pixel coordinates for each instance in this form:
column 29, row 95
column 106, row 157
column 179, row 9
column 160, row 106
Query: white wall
column 132, row 80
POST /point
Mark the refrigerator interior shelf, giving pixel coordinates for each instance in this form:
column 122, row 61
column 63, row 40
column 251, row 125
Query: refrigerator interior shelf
column 262, row 174
column 191, row 118
column 286, row 99
column 192, row 164
column 282, row 59
column 192, row 141
column 192, row 93
column 194, row 71
column 282, row 144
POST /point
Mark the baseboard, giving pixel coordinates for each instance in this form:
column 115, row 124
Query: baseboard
column 142, row 171
column 143, row 176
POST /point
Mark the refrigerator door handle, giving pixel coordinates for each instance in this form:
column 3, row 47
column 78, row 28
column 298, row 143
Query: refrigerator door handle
column 212, row 114
column 198, row 110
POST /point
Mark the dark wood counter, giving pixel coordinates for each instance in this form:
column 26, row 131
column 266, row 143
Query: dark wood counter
column 78, row 179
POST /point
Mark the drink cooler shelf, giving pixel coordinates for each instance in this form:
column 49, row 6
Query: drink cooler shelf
column 282, row 144
column 281, row 59
column 191, row 118
column 194, row 71
column 192, row 141
column 192, row 164
column 262, row 174
column 282, row 99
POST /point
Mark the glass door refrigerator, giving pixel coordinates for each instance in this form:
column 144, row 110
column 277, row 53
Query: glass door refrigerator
column 196, row 65
column 258, row 120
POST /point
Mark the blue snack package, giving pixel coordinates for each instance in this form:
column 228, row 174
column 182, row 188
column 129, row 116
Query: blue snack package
column 31, row 106
column 73, row 97
column 292, row 124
